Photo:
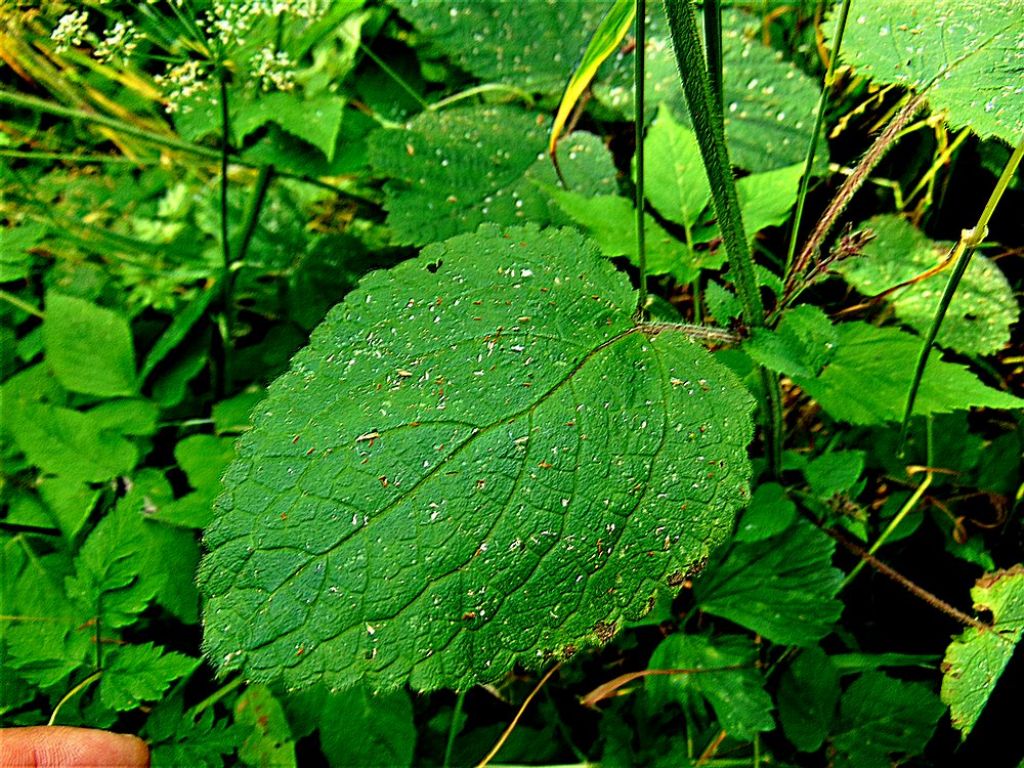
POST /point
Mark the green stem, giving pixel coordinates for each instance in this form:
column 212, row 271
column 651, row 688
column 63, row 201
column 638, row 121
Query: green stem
column 24, row 306
column 453, row 729
column 478, row 90
column 707, row 123
column 638, row 133
column 213, row 698
column 815, row 132
column 73, row 692
column 893, row 524
column 713, row 47
column 962, row 253
column 171, row 142
column 227, row 297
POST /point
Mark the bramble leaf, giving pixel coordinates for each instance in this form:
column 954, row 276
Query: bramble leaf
column 965, row 53
column 978, row 320
column 975, row 661
column 782, row 587
column 270, row 741
column 479, row 460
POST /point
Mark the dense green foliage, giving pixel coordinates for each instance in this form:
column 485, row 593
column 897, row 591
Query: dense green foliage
column 333, row 416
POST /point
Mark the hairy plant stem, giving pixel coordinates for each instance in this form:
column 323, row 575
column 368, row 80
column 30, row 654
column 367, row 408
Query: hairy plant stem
column 903, row 581
column 961, row 253
column 713, row 47
column 638, row 133
column 705, row 111
column 812, row 144
column 795, row 282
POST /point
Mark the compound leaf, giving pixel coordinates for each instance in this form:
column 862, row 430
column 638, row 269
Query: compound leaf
column 781, row 587
column 479, row 460
column 967, row 54
column 975, row 661
column 138, row 673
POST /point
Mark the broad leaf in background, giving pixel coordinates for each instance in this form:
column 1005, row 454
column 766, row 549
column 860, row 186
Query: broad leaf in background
column 675, row 182
column 479, row 460
column 881, row 717
column 736, row 693
column 964, row 53
column 975, row 661
column 270, row 741
column 88, row 347
column 451, row 171
column 979, row 319
column 867, row 379
column 769, row 104
column 770, row 512
column 807, row 697
column 782, row 587
column 528, row 45
column 384, row 724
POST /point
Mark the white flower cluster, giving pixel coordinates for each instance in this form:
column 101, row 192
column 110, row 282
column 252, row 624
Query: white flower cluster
column 119, row 40
column 70, row 30
column 274, row 70
column 181, row 81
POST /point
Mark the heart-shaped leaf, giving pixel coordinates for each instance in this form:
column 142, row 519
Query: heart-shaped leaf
column 471, row 466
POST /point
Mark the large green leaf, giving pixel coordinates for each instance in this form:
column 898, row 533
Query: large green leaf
column 479, row 460
column 867, row 379
column 975, row 661
column 880, row 716
column 451, row 171
column 808, row 695
column 979, row 319
column 968, row 54
column 781, row 587
column 736, row 692
column 532, row 45
column 88, row 347
column 675, row 181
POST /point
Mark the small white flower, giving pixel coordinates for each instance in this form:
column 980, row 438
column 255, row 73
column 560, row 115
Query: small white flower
column 70, row 29
column 182, row 81
column 119, row 40
column 273, row 69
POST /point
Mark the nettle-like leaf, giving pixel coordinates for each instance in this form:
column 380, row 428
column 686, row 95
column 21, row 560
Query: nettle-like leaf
column 781, row 587
column 807, row 696
column 979, row 319
column 531, row 45
column 451, row 171
column 879, row 717
column 866, row 380
column 967, row 54
column 723, row 670
column 976, row 660
column 479, row 460
column 768, row 104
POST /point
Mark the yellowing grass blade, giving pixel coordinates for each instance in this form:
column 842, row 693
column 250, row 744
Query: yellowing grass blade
column 605, row 40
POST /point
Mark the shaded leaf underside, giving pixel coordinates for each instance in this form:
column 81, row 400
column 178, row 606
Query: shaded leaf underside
column 479, row 460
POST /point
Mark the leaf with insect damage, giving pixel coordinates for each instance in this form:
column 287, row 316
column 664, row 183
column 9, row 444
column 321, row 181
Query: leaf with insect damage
column 479, row 460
